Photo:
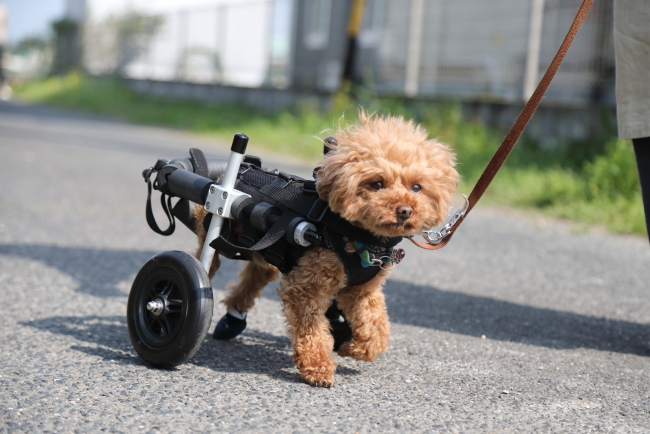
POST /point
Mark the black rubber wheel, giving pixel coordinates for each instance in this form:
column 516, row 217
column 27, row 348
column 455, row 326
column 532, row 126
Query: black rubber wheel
column 169, row 309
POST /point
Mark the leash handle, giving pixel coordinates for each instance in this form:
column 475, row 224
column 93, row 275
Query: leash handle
column 517, row 128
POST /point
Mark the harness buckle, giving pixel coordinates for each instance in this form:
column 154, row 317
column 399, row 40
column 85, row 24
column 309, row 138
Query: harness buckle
column 280, row 183
column 316, row 214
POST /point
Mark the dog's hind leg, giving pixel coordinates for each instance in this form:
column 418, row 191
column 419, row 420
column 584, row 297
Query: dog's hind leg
column 364, row 307
column 255, row 275
column 306, row 293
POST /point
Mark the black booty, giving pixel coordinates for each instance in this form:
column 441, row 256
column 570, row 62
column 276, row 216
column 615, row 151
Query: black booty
column 229, row 327
column 341, row 331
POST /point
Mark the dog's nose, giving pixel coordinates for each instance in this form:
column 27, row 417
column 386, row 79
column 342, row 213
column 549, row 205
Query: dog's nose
column 404, row 213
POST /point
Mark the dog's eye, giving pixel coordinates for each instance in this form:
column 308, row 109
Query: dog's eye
column 416, row 188
column 377, row 185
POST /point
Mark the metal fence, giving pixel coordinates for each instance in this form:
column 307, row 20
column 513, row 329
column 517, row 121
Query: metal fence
column 241, row 43
column 479, row 50
column 492, row 50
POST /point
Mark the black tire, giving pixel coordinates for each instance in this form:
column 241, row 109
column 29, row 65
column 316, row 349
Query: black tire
column 173, row 332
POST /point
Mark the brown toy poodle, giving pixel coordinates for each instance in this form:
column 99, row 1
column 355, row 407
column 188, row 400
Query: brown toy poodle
column 384, row 175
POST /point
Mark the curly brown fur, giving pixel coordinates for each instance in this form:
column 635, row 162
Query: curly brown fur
column 385, row 176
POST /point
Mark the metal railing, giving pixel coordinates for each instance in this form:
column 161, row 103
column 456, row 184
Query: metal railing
column 492, row 50
column 479, row 50
column 241, row 43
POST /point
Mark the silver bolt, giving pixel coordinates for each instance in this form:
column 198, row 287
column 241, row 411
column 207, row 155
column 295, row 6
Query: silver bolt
column 207, row 205
column 155, row 306
column 220, row 211
column 224, row 195
column 212, row 189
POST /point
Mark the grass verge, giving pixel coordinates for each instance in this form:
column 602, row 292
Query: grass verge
column 595, row 183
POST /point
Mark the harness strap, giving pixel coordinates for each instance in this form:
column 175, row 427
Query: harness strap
column 274, row 234
column 317, row 210
column 513, row 135
column 199, row 163
column 166, row 204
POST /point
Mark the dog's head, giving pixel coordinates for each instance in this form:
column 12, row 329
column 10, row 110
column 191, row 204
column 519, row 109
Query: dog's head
column 387, row 177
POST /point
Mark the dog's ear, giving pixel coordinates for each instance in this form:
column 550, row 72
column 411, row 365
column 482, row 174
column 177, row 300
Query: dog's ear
column 324, row 175
column 329, row 144
column 329, row 173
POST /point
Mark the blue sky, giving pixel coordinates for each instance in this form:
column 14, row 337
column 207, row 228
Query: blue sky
column 32, row 17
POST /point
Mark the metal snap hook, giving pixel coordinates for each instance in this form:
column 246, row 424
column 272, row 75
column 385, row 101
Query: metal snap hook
column 436, row 237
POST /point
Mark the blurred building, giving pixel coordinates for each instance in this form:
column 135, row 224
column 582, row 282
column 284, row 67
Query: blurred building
column 68, row 37
column 490, row 54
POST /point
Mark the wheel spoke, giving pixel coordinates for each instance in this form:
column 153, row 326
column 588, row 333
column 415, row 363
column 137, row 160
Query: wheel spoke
column 166, row 325
column 174, row 306
column 168, row 288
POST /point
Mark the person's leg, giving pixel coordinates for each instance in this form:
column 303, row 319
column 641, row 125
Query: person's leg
column 2, row 76
column 642, row 151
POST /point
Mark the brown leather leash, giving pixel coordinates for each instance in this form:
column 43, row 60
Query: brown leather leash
column 511, row 138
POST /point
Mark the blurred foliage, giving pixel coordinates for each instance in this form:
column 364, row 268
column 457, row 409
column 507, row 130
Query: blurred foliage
column 594, row 182
column 64, row 27
column 134, row 32
column 31, row 43
column 67, row 54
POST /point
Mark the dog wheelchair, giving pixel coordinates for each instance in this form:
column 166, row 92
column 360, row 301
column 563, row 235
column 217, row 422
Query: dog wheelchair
column 170, row 304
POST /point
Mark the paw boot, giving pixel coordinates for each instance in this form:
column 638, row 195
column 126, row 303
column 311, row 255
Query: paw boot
column 229, row 327
column 341, row 332
column 340, row 328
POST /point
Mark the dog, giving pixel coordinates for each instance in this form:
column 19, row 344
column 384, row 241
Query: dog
column 383, row 175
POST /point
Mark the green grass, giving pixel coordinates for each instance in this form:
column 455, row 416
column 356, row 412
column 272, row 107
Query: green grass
column 595, row 182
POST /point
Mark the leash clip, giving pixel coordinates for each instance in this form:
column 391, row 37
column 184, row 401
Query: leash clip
column 383, row 262
column 435, row 237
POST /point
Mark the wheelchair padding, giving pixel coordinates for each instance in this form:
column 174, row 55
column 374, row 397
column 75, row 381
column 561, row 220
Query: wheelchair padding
column 216, row 167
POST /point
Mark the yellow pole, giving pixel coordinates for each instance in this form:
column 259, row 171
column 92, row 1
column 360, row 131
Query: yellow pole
column 356, row 18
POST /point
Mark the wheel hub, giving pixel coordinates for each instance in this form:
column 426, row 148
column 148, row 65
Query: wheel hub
column 156, row 306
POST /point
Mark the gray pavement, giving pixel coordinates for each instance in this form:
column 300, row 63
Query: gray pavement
column 521, row 324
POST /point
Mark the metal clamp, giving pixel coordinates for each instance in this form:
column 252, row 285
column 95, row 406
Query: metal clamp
column 436, row 237
column 219, row 200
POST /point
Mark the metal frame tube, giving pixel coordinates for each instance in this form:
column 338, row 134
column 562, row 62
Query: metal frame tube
column 227, row 184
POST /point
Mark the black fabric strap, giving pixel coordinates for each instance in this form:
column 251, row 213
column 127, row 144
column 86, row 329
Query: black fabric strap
column 166, row 206
column 277, row 231
column 199, row 163
column 356, row 273
column 303, row 204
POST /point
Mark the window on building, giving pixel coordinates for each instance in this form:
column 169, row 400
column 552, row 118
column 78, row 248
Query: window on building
column 373, row 17
column 317, row 23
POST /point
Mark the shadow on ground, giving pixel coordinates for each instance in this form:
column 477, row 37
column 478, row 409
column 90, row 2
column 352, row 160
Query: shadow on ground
column 99, row 270
column 425, row 306
column 253, row 352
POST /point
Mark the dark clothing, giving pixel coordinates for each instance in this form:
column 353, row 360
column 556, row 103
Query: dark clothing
column 642, row 151
column 2, row 74
column 298, row 197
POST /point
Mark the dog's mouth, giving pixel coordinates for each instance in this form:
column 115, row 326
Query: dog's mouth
column 393, row 229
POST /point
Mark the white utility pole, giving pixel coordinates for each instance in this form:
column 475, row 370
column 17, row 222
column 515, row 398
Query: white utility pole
column 534, row 44
column 414, row 48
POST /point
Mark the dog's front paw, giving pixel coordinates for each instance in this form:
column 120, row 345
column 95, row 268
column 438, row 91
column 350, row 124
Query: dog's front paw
column 320, row 374
column 319, row 379
column 367, row 351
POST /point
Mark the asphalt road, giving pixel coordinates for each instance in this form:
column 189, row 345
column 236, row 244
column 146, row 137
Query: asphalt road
column 520, row 325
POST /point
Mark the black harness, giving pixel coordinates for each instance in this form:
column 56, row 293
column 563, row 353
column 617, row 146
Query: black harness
column 297, row 197
column 289, row 197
